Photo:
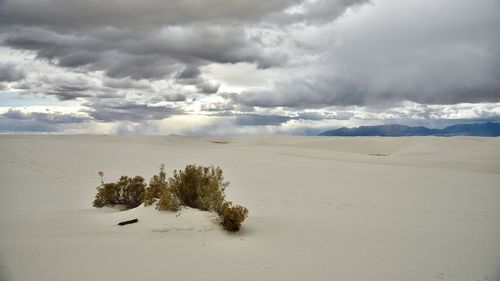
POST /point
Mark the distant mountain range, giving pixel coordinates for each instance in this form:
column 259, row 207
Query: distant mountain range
column 487, row 129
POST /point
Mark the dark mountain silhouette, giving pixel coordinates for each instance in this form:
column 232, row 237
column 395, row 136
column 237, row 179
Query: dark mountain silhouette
column 487, row 129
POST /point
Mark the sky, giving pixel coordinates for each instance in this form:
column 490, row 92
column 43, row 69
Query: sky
column 238, row 67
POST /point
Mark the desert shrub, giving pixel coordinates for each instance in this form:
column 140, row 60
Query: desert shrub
column 157, row 185
column 107, row 194
column 199, row 187
column 232, row 216
column 127, row 191
column 168, row 202
column 132, row 191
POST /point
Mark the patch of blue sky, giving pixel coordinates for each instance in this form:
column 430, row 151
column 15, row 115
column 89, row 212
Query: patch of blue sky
column 15, row 99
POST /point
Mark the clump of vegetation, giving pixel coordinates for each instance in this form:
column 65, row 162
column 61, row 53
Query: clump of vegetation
column 157, row 185
column 107, row 194
column 197, row 187
column 168, row 202
column 126, row 191
column 232, row 216
column 132, row 191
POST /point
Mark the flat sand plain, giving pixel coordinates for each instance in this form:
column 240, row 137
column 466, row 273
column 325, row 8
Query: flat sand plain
column 321, row 208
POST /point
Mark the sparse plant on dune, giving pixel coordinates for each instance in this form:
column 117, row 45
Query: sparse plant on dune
column 232, row 216
column 168, row 202
column 107, row 194
column 157, row 185
column 132, row 191
column 126, row 191
column 197, row 187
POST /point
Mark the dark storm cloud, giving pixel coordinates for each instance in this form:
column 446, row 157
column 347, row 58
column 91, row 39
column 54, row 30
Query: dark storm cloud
column 63, row 88
column 78, row 58
column 249, row 119
column 129, row 111
column 125, row 84
column 208, row 87
column 189, row 72
column 190, row 75
column 65, row 92
column 317, row 91
column 144, row 55
column 261, row 120
column 123, row 59
column 137, row 67
column 10, row 73
column 434, row 53
column 130, row 42
column 129, row 13
column 149, row 40
column 68, row 95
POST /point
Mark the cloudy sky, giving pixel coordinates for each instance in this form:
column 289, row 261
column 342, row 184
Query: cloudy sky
column 246, row 67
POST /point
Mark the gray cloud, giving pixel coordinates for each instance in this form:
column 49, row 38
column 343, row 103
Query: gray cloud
column 145, row 55
column 260, row 120
column 317, row 91
column 125, row 84
column 129, row 111
column 189, row 72
column 317, row 11
column 65, row 92
column 270, row 119
column 46, row 117
column 78, row 58
column 208, row 87
column 290, row 63
column 18, row 126
column 9, row 73
column 43, row 122
column 190, row 75
column 75, row 14
column 393, row 54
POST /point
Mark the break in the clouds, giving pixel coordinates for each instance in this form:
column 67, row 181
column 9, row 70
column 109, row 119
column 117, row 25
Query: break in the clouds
column 240, row 67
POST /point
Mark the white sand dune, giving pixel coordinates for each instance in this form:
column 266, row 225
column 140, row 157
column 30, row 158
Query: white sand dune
column 418, row 208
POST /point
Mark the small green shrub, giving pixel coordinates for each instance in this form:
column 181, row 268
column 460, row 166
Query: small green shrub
column 157, row 185
column 232, row 216
column 199, row 187
column 168, row 202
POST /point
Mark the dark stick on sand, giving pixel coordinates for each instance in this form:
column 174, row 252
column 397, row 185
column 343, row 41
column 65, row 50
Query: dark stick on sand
column 128, row 222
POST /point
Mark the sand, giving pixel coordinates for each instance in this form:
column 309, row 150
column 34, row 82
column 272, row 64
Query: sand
column 321, row 208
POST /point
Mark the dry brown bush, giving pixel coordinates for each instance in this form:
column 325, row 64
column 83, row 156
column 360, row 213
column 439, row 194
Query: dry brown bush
column 157, row 185
column 126, row 191
column 168, row 202
column 232, row 216
column 199, row 187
